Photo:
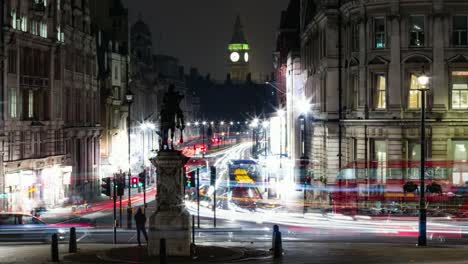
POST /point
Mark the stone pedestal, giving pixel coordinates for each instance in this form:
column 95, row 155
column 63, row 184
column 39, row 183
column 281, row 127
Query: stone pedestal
column 171, row 220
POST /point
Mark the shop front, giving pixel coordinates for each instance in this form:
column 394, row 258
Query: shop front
column 44, row 184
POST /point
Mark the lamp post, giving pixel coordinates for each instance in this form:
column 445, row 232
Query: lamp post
column 423, row 80
column 129, row 99
column 203, row 139
column 281, row 113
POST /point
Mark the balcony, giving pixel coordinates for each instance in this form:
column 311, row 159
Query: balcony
column 33, row 82
column 38, row 7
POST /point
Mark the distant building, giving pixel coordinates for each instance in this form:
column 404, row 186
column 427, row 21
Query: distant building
column 238, row 54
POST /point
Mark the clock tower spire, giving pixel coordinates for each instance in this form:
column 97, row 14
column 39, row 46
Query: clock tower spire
column 238, row 53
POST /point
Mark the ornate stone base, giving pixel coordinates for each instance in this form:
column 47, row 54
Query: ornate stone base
column 175, row 227
column 171, row 220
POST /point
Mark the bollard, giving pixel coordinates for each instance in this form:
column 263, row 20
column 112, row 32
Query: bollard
column 54, row 248
column 277, row 244
column 72, row 245
column 193, row 229
column 162, row 251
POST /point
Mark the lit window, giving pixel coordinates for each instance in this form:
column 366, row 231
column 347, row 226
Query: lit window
column 24, row 23
column 31, row 104
column 13, row 19
column 60, row 34
column 43, row 30
column 13, row 103
column 380, row 88
column 460, row 89
column 380, row 157
column 460, row 29
column 417, row 31
column 379, row 30
column 34, row 27
column 414, row 101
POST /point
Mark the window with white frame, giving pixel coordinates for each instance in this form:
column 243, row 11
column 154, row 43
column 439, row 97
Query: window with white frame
column 380, row 88
column 13, row 103
column 13, row 19
column 459, row 89
column 414, row 95
column 379, row 156
column 460, row 30
column 24, row 23
column 379, row 32
column 30, row 104
column 43, row 29
column 416, row 29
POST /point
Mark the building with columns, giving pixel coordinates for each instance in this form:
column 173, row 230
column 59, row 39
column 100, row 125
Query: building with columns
column 50, row 119
column 360, row 63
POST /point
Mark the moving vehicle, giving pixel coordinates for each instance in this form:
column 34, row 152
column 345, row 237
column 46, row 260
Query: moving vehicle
column 243, row 179
column 203, row 167
column 25, row 227
column 392, row 188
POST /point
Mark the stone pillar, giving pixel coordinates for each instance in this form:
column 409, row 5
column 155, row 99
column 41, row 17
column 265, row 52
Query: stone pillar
column 171, row 220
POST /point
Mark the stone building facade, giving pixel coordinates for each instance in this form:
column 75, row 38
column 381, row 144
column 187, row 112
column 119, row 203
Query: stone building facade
column 110, row 21
column 50, row 121
column 361, row 61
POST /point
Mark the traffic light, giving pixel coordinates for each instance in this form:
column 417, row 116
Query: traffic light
column 190, row 176
column 134, row 182
column 212, row 175
column 142, row 177
column 120, row 186
column 106, row 186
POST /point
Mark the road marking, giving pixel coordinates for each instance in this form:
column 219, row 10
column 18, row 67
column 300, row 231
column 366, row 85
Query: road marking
column 132, row 237
column 83, row 236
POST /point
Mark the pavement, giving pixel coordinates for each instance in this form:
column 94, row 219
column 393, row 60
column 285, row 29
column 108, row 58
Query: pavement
column 230, row 252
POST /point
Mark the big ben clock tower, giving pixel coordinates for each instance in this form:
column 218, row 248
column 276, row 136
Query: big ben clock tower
column 238, row 54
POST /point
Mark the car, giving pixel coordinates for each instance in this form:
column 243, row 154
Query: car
column 26, row 227
column 39, row 211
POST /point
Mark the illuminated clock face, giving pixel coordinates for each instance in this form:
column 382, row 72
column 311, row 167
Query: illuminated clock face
column 235, row 57
column 246, row 57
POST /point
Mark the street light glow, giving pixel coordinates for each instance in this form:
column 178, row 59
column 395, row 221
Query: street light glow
column 197, row 123
column 281, row 112
column 304, row 106
column 204, row 122
column 423, row 80
column 222, row 123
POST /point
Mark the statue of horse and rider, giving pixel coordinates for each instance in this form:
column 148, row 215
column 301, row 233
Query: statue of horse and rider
column 171, row 118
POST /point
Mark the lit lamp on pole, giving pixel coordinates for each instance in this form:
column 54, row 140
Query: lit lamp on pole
column 129, row 100
column 423, row 81
column 203, row 135
column 281, row 113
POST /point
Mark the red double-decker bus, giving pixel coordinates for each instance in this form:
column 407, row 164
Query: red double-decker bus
column 392, row 188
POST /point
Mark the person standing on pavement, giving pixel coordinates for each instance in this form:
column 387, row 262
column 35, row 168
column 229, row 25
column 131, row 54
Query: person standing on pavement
column 140, row 220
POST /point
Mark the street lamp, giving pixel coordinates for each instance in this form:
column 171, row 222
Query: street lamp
column 423, row 81
column 281, row 114
column 203, row 140
column 129, row 99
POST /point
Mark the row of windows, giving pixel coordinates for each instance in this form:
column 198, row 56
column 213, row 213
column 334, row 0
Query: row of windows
column 379, row 154
column 416, row 32
column 458, row 83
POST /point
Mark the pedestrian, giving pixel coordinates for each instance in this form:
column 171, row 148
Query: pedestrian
column 140, row 220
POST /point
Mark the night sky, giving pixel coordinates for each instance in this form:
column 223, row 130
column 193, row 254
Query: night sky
column 198, row 31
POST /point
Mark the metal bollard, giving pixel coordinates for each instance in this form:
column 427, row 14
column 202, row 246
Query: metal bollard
column 54, row 248
column 193, row 229
column 72, row 248
column 277, row 243
column 162, row 251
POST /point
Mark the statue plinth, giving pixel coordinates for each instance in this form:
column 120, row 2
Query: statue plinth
column 171, row 220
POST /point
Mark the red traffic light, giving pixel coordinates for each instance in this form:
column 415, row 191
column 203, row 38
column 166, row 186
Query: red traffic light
column 134, row 180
